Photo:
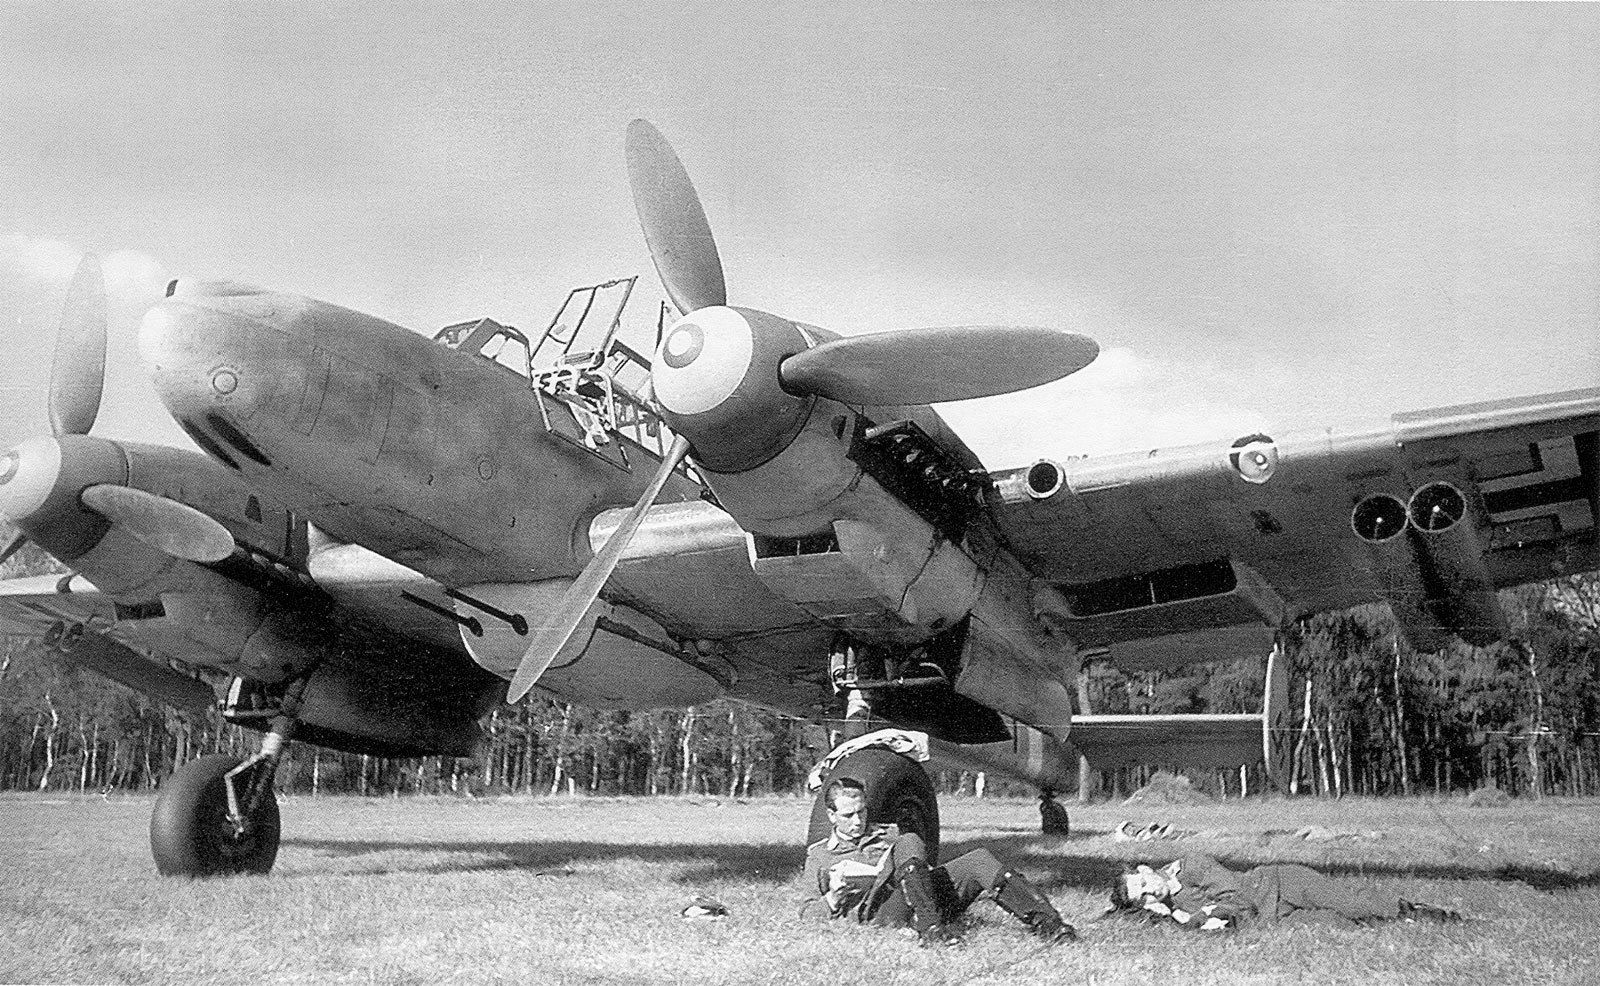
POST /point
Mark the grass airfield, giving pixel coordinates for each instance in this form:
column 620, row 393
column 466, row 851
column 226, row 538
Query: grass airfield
column 588, row 891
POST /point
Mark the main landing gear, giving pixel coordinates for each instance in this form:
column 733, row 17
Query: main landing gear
column 217, row 816
column 898, row 791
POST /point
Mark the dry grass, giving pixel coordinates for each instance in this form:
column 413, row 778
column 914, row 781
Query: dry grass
column 588, row 891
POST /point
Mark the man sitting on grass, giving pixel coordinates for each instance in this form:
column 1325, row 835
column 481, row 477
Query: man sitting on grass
column 1198, row 892
column 882, row 876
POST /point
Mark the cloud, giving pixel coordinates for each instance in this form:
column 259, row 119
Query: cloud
column 34, row 274
column 34, row 268
column 133, row 278
column 43, row 259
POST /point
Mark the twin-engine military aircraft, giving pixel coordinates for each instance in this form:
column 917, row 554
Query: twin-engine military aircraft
column 385, row 529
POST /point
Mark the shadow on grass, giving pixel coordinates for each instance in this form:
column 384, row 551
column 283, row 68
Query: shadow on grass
column 710, row 862
column 1098, row 874
column 777, row 863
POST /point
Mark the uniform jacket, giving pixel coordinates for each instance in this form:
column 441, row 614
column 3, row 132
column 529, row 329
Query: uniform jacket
column 862, row 892
column 1212, row 896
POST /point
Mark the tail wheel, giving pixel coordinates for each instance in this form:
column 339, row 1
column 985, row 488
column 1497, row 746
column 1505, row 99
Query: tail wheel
column 898, row 792
column 191, row 833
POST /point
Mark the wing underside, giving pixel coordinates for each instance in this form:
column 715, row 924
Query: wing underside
column 1429, row 507
column 83, row 628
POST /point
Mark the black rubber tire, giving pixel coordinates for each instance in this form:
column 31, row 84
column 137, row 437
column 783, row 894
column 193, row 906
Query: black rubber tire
column 189, row 830
column 898, row 792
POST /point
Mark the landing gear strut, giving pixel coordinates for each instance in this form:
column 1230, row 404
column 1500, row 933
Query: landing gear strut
column 898, row 791
column 217, row 816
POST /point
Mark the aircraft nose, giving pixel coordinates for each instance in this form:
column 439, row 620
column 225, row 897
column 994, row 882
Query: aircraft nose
column 205, row 352
column 28, row 475
column 177, row 332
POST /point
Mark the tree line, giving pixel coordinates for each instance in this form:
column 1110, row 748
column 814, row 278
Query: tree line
column 1371, row 716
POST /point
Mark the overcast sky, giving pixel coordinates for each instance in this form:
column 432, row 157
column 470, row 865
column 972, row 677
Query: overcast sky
column 1270, row 215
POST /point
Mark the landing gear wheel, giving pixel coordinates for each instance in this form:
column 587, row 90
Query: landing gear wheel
column 898, row 792
column 191, row 833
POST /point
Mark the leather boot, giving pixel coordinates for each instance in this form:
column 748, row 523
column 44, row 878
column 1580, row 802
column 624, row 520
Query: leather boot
column 1017, row 896
column 915, row 880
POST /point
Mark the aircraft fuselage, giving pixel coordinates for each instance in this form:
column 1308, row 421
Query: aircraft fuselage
column 435, row 458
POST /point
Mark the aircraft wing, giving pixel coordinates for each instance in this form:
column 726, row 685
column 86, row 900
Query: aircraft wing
column 1431, row 511
column 78, row 624
column 30, row 606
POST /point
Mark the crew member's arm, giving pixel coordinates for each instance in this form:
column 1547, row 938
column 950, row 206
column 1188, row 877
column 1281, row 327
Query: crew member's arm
column 814, row 885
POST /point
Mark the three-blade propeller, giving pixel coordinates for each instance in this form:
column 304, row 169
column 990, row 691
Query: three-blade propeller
column 909, row 366
column 912, row 366
column 77, row 381
column 78, row 365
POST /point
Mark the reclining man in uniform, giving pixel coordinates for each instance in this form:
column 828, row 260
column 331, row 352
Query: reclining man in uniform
column 880, row 875
column 1198, row 892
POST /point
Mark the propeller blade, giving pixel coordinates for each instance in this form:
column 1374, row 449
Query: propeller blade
column 166, row 525
column 78, row 371
column 12, row 548
column 582, row 593
column 675, row 226
column 929, row 366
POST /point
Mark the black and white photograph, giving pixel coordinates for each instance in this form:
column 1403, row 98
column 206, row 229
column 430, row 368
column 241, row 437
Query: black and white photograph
column 946, row 492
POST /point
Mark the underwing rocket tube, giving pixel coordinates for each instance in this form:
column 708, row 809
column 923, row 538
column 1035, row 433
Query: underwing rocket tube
column 1379, row 520
column 1461, row 594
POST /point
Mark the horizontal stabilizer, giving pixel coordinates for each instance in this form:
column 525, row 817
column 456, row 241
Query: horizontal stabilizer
column 1183, row 741
column 1198, row 741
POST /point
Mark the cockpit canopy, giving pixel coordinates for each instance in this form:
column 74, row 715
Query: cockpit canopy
column 580, row 361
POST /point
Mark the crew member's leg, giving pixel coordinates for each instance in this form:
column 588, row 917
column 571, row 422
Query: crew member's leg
column 1300, row 888
column 914, row 899
column 970, row 874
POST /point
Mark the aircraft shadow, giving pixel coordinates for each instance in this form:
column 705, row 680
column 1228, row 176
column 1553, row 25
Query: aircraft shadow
column 1097, row 874
column 775, row 863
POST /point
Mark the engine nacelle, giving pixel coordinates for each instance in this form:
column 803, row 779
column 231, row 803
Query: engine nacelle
column 893, row 583
column 859, row 515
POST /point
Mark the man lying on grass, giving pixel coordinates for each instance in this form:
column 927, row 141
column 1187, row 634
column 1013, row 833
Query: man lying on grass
column 882, row 876
column 1196, row 891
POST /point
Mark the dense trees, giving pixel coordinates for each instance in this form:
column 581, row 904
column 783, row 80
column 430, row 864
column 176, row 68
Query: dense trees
column 1381, row 719
column 1375, row 717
